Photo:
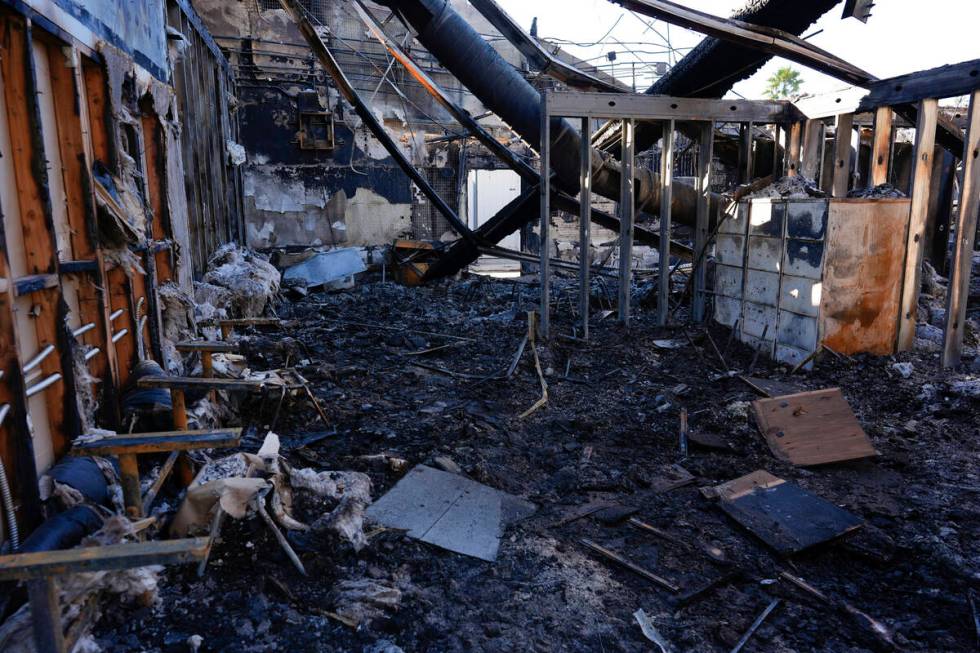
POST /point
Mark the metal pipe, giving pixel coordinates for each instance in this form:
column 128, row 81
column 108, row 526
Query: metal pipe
column 85, row 328
column 6, row 495
column 43, row 385
column 92, row 353
column 115, row 314
column 119, row 336
column 37, row 360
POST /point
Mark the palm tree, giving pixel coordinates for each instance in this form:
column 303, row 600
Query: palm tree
column 784, row 84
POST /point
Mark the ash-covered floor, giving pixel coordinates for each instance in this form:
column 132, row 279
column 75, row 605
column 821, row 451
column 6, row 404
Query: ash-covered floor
column 608, row 432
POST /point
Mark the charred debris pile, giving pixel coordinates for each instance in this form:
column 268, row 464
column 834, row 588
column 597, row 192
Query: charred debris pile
column 418, row 471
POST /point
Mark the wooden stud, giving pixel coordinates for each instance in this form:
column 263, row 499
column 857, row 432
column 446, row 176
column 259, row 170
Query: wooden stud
column 666, row 197
column 966, row 229
column 703, row 220
column 812, row 150
column 627, row 213
column 585, row 225
column 31, row 175
column 44, row 564
column 842, row 154
column 46, row 616
column 793, row 149
column 179, row 408
column 925, row 142
column 882, row 146
column 129, row 476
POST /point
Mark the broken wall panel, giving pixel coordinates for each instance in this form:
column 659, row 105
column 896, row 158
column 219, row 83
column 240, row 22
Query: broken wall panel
column 39, row 312
column 346, row 190
column 206, row 90
column 796, row 274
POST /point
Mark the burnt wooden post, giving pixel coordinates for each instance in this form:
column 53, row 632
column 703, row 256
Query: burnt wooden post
column 966, row 229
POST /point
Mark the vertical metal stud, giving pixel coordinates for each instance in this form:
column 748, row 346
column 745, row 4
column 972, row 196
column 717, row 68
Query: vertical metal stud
column 585, row 227
column 627, row 210
column 666, row 196
column 544, row 323
column 703, row 187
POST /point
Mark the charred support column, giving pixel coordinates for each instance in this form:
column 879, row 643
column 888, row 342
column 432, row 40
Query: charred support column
column 544, row 323
column 666, row 176
column 702, row 229
column 585, row 226
column 627, row 212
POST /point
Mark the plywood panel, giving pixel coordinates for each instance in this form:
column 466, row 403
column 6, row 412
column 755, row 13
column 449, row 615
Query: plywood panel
column 812, row 428
column 863, row 272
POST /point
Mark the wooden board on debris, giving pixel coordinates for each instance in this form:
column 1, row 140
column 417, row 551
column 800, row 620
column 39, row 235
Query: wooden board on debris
column 783, row 515
column 812, row 428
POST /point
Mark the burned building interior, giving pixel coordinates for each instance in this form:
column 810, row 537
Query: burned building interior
column 396, row 325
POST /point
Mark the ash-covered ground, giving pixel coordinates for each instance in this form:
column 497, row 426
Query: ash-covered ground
column 608, row 432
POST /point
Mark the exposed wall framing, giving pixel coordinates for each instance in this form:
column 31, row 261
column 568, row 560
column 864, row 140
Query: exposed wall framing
column 94, row 218
column 205, row 88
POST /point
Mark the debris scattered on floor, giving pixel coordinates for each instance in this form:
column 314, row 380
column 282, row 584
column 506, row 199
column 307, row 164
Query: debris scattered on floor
column 782, row 514
column 812, row 428
column 797, row 187
column 881, row 191
column 450, row 511
column 330, row 270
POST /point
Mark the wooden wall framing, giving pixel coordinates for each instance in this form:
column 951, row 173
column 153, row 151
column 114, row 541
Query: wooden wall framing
column 60, row 290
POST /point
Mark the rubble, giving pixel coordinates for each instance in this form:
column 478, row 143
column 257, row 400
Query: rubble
column 239, row 281
column 798, row 187
column 881, row 191
column 541, row 574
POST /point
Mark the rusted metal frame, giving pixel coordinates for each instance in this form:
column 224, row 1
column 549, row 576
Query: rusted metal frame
column 329, row 63
column 37, row 220
column 706, row 148
column 462, row 116
column 585, row 227
column 881, row 146
column 770, row 40
column 666, row 197
column 627, row 216
column 530, row 48
column 842, row 154
column 544, row 321
column 925, row 140
column 966, row 230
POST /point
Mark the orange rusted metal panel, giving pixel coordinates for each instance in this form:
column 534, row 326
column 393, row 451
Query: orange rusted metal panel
column 863, row 270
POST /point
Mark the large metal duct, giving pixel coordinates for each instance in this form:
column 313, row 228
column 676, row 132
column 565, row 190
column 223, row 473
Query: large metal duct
column 502, row 89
